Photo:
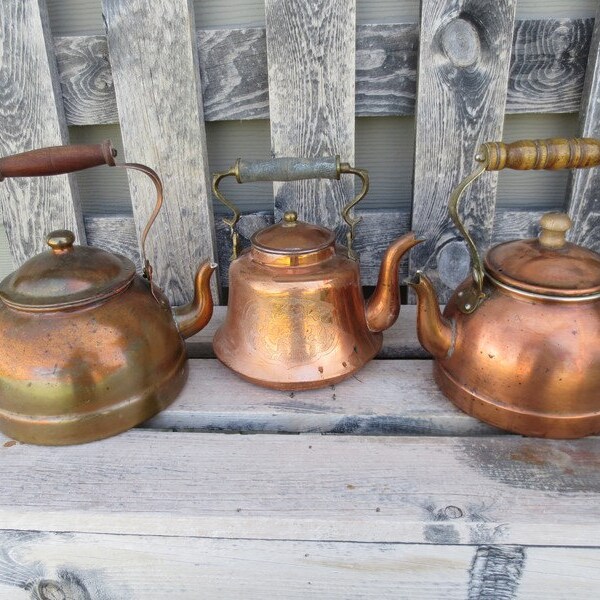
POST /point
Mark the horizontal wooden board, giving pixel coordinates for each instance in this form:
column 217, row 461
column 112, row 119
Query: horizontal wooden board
column 111, row 567
column 547, row 71
column 436, row 490
column 387, row 397
column 377, row 230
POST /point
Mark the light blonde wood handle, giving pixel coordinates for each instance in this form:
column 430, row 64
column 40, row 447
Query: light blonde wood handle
column 551, row 154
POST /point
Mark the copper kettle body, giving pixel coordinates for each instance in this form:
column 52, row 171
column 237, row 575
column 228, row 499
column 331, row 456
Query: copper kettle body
column 297, row 318
column 88, row 348
column 518, row 344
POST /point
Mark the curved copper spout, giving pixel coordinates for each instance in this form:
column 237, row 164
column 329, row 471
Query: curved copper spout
column 435, row 332
column 192, row 317
column 383, row 306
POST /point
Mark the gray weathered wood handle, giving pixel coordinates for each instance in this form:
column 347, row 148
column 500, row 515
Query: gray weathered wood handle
column 287, row 169
column 57, row 159
column 550, row 154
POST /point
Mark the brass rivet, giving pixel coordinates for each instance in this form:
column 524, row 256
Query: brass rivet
column 61, row 239
column 290, row 216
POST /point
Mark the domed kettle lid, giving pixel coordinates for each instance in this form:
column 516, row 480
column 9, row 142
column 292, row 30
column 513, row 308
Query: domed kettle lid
column 66, row 276
column 547, row 265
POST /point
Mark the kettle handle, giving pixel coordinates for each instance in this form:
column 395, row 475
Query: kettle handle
column 290, row 169
column 549, row 154
column 58, row 160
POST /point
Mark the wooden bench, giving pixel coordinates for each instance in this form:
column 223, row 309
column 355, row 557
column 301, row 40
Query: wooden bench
column 405, row 497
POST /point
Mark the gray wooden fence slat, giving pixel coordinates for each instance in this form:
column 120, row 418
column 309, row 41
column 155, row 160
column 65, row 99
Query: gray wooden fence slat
column 377, row 230
column 463, row 75
column 32, row 116
column 155, row 68
column 311, row 60
column 546, row 74
column 583, row 192
column 74, row 566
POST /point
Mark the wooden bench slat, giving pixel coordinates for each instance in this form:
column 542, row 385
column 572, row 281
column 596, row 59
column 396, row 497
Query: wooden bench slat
column 32, row 116
column 546, row 74
column 508, row 489
column 155, row 67
column 142, row 567
column 582, row 195
column 463, row 76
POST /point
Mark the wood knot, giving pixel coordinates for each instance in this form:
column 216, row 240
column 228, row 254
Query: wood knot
column 460, row 42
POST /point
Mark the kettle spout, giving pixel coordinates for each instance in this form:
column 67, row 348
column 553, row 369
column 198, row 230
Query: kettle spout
column 436, row 334
column 192, row 317
column 383, row 306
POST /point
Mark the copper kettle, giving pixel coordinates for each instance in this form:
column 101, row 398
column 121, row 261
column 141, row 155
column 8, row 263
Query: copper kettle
column 518, row 345
column 88, row 348
column 296, row 317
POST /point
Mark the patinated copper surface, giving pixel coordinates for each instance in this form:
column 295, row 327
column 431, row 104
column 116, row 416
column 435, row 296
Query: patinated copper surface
column 525, row 356
column 87, row 347
column 297, row 318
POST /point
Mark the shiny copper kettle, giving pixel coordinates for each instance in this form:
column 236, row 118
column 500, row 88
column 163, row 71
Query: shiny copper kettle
column 296, row 317
column 88, row 348
column 518, row 345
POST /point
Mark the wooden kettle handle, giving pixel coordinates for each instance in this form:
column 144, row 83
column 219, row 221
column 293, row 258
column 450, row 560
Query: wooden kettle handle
column 57, row 159
column 551, row 154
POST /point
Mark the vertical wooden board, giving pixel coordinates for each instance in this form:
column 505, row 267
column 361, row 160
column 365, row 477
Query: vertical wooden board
column 584, row 184
column 155, row 70
column 463, row 71
column 311, row 66
column 32, row 116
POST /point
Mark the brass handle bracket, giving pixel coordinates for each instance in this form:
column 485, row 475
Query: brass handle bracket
column 350, row 219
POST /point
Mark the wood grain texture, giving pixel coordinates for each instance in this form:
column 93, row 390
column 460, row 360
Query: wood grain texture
column 386, row 397
column 311, row 62
column 507, row 489
column 546, row 73
column 583, row 193
column 377, row 230
column 162, row 124
column 548, row 64
column 463, row 67
column 31, row 116
column 115, row 567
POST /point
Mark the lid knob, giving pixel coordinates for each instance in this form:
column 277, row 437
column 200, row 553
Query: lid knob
column 290, row 216
column 554, row 228
column 61, row 239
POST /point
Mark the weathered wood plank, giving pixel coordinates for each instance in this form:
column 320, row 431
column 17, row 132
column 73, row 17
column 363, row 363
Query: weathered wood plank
column 463, row 67
column 144, row 567
column 312, row 104
column 32, row 116
column 502, row 490
column 546, row 74
column 162, row 123
column 584, row 184
column 376, row 231
column 387, row 397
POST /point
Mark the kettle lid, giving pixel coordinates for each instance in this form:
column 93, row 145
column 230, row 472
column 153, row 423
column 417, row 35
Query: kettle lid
column 66, row 276
column 292, row 237
column 547, row 265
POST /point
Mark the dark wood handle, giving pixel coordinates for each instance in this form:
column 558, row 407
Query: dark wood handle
column 552, row 154
column 57, row 160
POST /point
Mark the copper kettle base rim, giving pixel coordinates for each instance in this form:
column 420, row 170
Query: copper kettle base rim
column 298, row 386
column 81, row 428
column 532, row 424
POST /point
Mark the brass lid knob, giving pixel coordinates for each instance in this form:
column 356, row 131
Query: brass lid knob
column 290, row 216
column 61, row 239
column 554, row 228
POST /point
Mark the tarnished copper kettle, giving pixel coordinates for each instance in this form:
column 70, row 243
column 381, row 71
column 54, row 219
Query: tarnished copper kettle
column 296, row 317
column 518, row 345
column 88, row 348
